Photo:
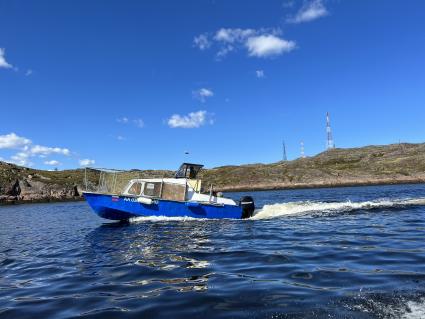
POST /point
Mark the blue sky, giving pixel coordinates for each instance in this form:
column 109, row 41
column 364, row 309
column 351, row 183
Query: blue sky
column 135, row 84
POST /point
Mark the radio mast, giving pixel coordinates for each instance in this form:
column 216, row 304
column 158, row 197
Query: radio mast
column 284, row 158
column 330, row 141
column 302, row 150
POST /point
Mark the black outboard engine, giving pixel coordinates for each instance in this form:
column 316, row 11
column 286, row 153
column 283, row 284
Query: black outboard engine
column 248, row 206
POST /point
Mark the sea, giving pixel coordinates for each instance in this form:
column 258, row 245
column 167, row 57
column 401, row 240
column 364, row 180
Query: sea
column 353, row 252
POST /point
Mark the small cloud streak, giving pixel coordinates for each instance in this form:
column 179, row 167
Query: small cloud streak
column 202, row 94
column 191, row 120
column 139, row 123
column 268, row 45
column 260, row 74
column 125, row 120
column 122, row 120
column 3, row 63
column 201, row 42
column 309, row 11
column 86, row 162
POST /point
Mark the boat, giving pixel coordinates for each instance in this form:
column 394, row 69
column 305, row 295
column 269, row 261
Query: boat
column 180, row 196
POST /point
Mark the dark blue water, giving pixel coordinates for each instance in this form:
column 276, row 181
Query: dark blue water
column 328, row 253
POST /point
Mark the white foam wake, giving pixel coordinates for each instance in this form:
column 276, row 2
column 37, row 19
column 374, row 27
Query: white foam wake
column 416, row 310
column 294, row 208
column 163, row 218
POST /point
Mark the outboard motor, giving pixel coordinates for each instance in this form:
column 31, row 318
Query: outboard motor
column 248, row 206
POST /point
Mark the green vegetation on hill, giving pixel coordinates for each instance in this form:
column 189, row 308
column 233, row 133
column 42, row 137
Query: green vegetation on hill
column 397, row 163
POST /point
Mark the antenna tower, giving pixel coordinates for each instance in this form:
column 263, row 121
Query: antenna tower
column 302, row 150
column 284, row 158
column 330, row 141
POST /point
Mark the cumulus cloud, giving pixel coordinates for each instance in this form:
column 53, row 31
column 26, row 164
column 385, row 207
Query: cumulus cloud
column 27, row 149
column 86, row 162
column 21, row 159
column 191, row 120
column 52, row 163
column 44, row 150
column 259, row 42
column 309, row 11
column 29, row 72
column 201, row 41
column 260, row 74
column 202, row 94
column 3, row 63
column 233, row 35
column 268, row 45
column 13, row 141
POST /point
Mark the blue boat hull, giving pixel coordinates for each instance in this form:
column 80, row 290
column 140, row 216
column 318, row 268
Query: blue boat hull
column 124, row 207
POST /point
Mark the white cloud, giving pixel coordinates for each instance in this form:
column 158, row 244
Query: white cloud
column 121, row 138
column 233, row 35
column 27, row 149
column 29, row 72
column 202, row 94
column 86, row 162
column 52, row 163
column 123, row 120
column 260, row 74
column 259, row 43
column 201, row 42
column 21, row 159
column 44, row 150
column 309, row 11
column 13, row 141
column 3, row 62
column 191, row 120
column 139, row 123
column 268, row 45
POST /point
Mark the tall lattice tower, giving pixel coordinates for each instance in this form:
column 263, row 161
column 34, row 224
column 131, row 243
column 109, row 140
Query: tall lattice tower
column 330, row 141
column 284, row 158
column 302, row 150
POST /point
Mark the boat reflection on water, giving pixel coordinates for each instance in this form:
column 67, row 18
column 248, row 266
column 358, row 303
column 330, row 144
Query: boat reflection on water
column 153, row 255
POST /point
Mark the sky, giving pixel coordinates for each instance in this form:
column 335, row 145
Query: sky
column 137, row 84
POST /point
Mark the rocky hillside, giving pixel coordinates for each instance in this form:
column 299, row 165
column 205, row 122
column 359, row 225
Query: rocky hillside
column 398, row 163
column 390, row 164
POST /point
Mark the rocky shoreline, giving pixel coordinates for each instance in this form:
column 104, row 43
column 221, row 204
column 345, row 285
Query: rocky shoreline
column 371, row 165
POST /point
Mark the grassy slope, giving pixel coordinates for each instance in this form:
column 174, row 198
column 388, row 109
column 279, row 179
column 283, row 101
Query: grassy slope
column 396, row 163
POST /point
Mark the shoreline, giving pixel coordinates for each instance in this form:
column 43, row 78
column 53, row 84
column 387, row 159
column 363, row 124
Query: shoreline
column 284, row 186
column 40, row 201
column 244, row 188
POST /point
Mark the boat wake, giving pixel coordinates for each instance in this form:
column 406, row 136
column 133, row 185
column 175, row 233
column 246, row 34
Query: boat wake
column 164, row 218
column 279, row 210
column 297, row 208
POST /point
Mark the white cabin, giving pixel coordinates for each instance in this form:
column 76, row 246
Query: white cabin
column 184, row 187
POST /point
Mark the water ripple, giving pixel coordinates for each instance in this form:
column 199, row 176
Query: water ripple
column 338, row 253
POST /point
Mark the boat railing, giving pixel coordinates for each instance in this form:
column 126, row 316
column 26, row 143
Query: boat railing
column 108, row 181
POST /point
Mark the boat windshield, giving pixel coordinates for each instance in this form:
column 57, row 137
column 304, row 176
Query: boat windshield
column 135, row 189
column 188, row 170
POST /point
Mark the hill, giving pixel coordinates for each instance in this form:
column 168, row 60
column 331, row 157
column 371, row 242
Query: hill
column 371, row 165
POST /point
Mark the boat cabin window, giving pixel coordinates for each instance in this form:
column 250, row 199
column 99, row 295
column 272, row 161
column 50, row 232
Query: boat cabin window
column 152, row 189
column 188, row 170
column 135, row 189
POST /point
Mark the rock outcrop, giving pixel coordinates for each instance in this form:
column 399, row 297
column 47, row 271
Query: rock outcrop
column 371, row 165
